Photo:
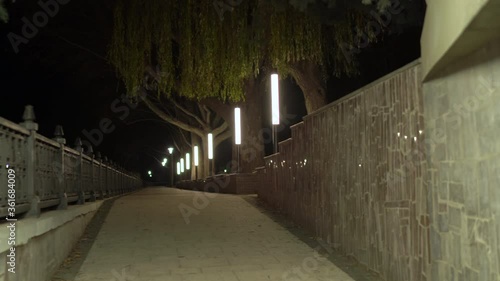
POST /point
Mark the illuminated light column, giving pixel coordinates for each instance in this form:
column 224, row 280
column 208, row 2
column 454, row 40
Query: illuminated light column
column 182, row 165
column 275, row 98
column 196, row 163
column 210, row 152
column 171, row 152
column 237, row 134
column 178, row 168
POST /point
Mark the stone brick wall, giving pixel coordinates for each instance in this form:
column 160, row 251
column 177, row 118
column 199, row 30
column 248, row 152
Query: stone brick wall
column 229, row 184
column 354, row 174
column 462, row 116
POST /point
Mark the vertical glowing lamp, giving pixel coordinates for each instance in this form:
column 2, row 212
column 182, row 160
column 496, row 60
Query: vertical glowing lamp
column 195, row 160
column 210, row 146
column 237, row 134
column 210, row 153
column 178, row 168
column 237, row 126
column 275, row 102
column 188, row 161
column 171, row 152
column 182, row 165
column 196, row 163
column 275, row 91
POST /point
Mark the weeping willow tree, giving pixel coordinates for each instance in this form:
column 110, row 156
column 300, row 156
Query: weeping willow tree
column 192, row 53
column 311, row 51
column 183, row 48
column 199, row 56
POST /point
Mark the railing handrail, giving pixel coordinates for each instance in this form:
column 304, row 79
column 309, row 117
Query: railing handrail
column 13, row 126
column 50, row 173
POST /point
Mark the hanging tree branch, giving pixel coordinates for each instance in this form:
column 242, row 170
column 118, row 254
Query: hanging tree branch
column 170, row 119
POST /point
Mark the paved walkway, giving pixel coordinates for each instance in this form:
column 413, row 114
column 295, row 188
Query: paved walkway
column 145, row 237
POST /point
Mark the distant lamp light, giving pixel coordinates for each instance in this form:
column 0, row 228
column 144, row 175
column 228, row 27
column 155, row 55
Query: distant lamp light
column 210, row 147
column 178, row 168
column 196, row 163
column 170, row 150
column 188, row 161
column 182, row 165
column 225, row 170
column 149, row 172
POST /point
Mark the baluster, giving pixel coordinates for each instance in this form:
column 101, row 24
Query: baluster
column 60, row 169
column 30, row 124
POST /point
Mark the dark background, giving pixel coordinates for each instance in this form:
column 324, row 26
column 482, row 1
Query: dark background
column 64, row 73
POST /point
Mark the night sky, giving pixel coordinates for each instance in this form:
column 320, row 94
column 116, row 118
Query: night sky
column 64, row 73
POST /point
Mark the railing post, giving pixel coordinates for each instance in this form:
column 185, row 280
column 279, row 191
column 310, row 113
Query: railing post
column 99, row 177
column 79, row 148
column 29, row 124
column 106, row 181
column 63, row 197
column 90, row 153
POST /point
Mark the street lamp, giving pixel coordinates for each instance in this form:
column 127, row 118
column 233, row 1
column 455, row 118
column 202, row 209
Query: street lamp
column 188, row 161
column 182, row 165
column 171, row 152
column 210, row 151
column 195, row 152
column 237, row 134
column 275, row 92
column 164, row 162
column 178, row 168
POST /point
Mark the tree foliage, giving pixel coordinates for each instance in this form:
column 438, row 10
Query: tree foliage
column 195, row 54
column 4, row 16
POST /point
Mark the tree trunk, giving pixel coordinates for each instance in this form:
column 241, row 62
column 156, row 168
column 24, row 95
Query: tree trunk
column 203, row 169
column 251, row 150
column 252, row 147
column 309, row 78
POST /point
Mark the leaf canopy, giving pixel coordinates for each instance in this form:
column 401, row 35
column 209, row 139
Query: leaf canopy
column 197, row 55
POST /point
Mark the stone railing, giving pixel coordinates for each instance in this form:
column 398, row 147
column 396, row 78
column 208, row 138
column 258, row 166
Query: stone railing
column 46, row 173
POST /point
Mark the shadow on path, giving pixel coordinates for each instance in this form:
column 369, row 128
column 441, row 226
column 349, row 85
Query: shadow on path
column 71, row 265
column 349, row 265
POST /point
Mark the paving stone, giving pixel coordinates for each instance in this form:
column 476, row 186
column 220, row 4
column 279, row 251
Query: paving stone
column 146, row 238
